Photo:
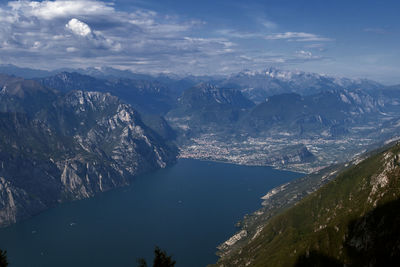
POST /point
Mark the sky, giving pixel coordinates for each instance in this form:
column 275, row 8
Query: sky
column 356, row 39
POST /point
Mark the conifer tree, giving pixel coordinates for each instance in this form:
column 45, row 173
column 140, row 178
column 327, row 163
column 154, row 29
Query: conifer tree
column 161, row 259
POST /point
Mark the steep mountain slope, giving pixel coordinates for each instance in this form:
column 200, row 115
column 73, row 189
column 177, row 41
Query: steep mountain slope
column 205, row 105
column 150, row 98
column 70, row 146
column 207, row 95
column 326, row 113
column 351, row 220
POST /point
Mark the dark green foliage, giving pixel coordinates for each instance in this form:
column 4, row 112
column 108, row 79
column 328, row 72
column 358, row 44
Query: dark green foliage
column 316, row 259
column 161, row 259
column 374, row 239
column 3, row 258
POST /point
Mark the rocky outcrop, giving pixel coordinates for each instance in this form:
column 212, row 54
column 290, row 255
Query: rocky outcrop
column 299, row 155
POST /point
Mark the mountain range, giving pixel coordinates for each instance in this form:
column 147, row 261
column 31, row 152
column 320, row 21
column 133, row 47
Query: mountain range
column 117, row 124
column 332, row 109
column 257, row 86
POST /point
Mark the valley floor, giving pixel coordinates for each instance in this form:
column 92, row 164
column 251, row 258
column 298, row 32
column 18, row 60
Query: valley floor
column 306, row 155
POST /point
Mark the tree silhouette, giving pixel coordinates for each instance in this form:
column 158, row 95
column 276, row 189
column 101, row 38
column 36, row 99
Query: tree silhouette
column 161, row 259
column 3, row 258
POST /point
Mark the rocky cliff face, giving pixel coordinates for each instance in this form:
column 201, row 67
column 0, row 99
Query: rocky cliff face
column 68, row 146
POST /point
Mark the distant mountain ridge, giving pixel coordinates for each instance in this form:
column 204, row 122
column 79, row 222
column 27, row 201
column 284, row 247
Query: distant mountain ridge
column 146, row 96
column 257, row 86
column 328, row 110
column 214, row 117
column 268, row 82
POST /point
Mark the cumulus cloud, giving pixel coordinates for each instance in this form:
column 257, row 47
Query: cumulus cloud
column 91, row 30
column 49, row 10
column 78, row 27
column 93, row 39
column 297, row 36
column 306, row 54
column 83, row 33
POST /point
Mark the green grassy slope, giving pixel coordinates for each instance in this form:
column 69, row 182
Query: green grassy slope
column 351, row 220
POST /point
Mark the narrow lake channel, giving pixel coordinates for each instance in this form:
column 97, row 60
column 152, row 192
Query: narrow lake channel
column 187, row 209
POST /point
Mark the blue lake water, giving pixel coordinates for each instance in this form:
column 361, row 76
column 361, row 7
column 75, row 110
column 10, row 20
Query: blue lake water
column 187, row 209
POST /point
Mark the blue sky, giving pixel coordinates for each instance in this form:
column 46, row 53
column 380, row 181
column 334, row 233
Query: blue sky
column 344, row 38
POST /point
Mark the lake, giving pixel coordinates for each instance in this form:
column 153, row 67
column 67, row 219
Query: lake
column 187, row 209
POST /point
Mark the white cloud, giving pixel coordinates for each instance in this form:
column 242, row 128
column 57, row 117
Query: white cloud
column 268, row 24
column 22, row 23
column 83, row 33
column 376, row 30
column 303, row 53
column 78, row 27
column 71, row 49
column 297, row 36
column 307, row 55
column 93, row 39
column 49, row 10
column 239, row 35
column 96, row 33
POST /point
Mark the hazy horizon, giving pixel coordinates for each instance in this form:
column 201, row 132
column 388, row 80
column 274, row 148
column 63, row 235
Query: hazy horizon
column 356, row 39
